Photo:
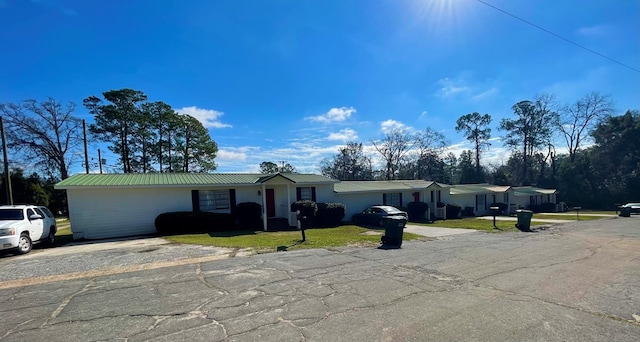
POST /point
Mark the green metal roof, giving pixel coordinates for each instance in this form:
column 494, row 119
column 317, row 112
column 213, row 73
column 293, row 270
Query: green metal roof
column 185, row 179
column 377, row 186
column 461, row 189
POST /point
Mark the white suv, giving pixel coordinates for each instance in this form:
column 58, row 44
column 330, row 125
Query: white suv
column 23, row 225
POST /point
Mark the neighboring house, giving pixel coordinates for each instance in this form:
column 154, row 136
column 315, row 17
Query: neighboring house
column 358, row 195
column 114, row 205
column 525, row 196
column 478, row 197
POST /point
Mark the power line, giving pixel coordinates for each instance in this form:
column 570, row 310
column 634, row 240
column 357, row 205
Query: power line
column 558, row 36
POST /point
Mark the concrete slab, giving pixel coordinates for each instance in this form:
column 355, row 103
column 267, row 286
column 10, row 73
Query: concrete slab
column 436, row 231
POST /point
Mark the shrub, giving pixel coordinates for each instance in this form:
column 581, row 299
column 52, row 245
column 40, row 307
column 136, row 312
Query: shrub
column 548, row 207
column 453, row 211
column 249, row 215
column 330, row 214
column 417, row 210
column 308, row 209
column 535, row 208
column 503, row 207
column 190, row 222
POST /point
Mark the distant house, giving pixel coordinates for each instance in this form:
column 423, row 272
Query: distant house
column 478, row 198
column 358, row 195
column 114, row 205
column 526, row 196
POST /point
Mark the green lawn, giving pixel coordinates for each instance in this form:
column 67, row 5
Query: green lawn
column 63, row 235
column 345, row 235
column 471, row 223
column 582, row 217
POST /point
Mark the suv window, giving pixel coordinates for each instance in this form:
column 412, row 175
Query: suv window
column 30, row 212
column 11, row 214
column 47, row 211
column 40, row 212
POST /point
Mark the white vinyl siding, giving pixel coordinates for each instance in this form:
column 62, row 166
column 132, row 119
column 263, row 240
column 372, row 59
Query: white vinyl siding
column 120, row 212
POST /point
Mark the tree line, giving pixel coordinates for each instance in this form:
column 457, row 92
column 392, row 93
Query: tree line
column 600, row 165
column 147, row 136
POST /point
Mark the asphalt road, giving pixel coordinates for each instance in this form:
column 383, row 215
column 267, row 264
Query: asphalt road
column 577, row 281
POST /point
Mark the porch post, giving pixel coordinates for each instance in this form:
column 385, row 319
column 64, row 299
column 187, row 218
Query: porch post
column 289, row 205
column 264, row 208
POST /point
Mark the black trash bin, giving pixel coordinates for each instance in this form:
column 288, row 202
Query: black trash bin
column 393, row 228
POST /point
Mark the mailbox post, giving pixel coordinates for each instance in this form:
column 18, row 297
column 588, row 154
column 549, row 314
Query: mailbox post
column 301, row 218
column 494, row 211
column 577, row 209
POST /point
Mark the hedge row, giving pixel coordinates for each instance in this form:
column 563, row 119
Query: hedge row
column 319, row 214
column 190, row 222
column 246, row 216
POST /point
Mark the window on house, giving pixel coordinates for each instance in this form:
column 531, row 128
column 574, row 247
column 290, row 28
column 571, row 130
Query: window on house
column 532, row 199
column 480, row 201
column 432, row 198
column 211, row 200
column 439, row 196
column 305, row 194
column 393, row 199
column 506, row 197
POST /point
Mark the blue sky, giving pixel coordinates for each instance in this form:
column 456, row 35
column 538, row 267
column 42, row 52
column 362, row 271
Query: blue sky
column 294, row 80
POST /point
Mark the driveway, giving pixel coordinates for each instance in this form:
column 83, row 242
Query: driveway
column 572, row 282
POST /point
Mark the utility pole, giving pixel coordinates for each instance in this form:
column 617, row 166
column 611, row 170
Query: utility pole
column 100, row 161
column 86, row 155
column 7, row 175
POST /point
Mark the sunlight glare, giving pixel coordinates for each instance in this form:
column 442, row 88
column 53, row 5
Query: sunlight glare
column 441, row 17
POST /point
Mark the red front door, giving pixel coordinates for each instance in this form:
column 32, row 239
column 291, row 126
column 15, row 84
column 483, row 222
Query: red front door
column 271, row 203
column 416, row 197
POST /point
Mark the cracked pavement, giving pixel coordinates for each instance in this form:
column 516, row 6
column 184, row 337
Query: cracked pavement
column 577, row 281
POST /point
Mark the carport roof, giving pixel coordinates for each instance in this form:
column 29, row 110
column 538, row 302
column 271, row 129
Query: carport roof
column 378, row 186
column 187, row 179
column 484, row 188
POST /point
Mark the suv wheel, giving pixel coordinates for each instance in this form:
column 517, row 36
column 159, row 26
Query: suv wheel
column 51, row 238
column 24, row 244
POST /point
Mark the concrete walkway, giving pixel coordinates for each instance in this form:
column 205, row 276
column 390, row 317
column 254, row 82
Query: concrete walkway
column 436, row 231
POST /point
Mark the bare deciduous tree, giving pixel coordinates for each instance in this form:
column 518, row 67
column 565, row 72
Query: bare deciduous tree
column 393, row 147
column 579, row 118
column 46, row 132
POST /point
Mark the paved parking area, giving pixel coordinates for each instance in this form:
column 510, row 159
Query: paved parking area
column 573, row 282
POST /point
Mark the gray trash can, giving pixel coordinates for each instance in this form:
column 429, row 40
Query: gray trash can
column 393, row 229
column 524, row 219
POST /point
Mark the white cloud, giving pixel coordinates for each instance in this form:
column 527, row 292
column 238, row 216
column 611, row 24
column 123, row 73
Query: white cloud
column 224, row 155
column 346, row 134
column 391, row 124
column 449, row 87
column 485, row 94
column 423, row 114
column 208, row 117
column 597, row 31
column 334, row 115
